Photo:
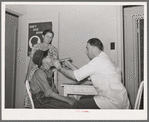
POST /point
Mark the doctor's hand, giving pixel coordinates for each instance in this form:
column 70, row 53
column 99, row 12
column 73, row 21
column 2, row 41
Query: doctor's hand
column 57, row 64
column 68, row 64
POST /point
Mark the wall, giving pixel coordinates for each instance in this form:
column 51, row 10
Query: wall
column 73, row 26
column 80, row 23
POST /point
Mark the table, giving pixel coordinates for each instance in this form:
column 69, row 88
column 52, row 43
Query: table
column 78, row 90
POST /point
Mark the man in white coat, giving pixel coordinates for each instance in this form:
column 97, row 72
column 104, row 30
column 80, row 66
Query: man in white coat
column 104, row 75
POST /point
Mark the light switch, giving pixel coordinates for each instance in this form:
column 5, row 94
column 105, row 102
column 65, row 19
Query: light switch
column 112, row 45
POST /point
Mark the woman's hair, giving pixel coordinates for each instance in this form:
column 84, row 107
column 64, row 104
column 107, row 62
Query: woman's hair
column 48, row 31
column 38, row 56
column 96, row 42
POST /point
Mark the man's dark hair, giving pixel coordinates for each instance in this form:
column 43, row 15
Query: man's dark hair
column 38, row 56
column 96, row 42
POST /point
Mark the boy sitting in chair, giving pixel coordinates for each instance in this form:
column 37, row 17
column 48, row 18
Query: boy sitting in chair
column 44, row 92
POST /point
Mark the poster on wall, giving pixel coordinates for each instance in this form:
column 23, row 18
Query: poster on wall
column 35, row 31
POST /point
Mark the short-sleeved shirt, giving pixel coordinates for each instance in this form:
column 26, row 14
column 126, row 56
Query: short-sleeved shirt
column 106, row 78
column 41, row 82
column 53, row 54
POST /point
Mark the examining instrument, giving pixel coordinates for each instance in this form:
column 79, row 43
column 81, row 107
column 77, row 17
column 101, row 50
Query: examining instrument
column 65, row 59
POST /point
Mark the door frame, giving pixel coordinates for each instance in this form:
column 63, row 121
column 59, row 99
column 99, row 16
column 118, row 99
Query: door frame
column 14, row 72
column 131, row 13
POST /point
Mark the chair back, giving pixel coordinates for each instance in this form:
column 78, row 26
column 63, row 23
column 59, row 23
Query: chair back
column 29, row 94
column 139, row 94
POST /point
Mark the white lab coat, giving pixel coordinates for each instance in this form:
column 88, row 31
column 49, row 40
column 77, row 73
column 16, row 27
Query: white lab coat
column 106, row 79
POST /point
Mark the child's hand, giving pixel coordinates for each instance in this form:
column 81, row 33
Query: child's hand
column 71, row 101
column 55, row 90
column 89, row 78
column 57, row 64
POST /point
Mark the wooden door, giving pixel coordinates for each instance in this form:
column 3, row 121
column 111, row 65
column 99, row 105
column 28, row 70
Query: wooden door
column 11, row 26
column 133, row 49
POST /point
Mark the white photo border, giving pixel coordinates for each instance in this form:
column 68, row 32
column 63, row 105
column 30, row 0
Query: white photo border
column 65, row 114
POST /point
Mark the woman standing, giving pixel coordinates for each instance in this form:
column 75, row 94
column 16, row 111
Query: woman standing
column 47, row 36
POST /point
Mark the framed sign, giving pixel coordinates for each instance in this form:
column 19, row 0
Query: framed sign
column 35, row 31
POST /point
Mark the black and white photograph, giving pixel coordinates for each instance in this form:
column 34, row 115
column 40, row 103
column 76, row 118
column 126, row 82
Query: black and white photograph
column 74, row 60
